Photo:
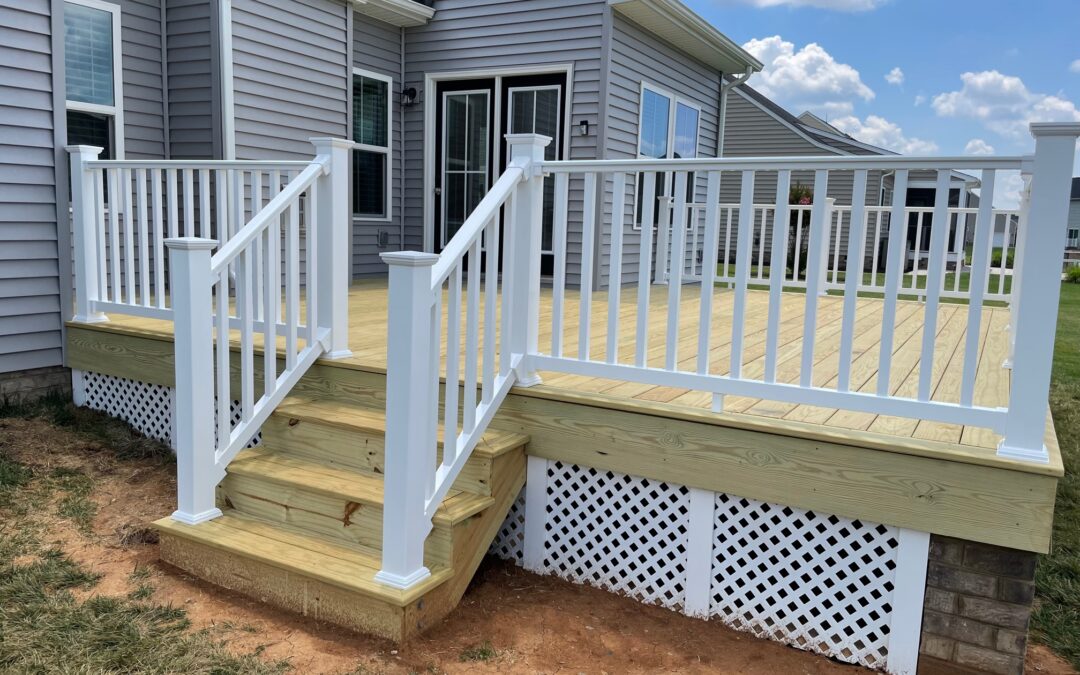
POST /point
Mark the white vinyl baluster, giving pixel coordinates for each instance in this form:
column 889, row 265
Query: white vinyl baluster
column 676, row 254
column 271, row 299
column 99, row 223
column 221, row 328
column 246, row 311
column 204, row 204
column 221, row 205
column 491, row 301
column 258, row 261
column 472, row 339
column 818, row 240
column 453, row 361
column 781, row 226
column 129, row 236
column 1004, row 254
column 835, row 232
column 877, row 247
column 144, row 238
column 935, row 277
column 708, row 269
column 189, row 203
column 894, row 267
column 980, row 268
column 743, row 248
column 618, row 214
column 113, row 180
column 801, row 213
column 760, row 275
column 311, row 254
column 558, row 290
column 727, row 242
column 292, row 284
column 159, row 238
column 648, row 198
column 588, row 233
column 856, row 251
column 915, row 265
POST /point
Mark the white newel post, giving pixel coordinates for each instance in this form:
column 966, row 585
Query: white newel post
column 1035, row 318
column 334, row 250
column 84, row 225
column 410, row 443
column 524, row 255
column 192, row 297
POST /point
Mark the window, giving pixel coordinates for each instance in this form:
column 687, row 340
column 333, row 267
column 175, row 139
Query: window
column 1074, row 234
column 536, row 110
column 667, row 129
column 92, row 75
column 371, row 157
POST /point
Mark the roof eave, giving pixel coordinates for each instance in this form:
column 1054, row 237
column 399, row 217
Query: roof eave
column 403, row 13
column 709, row 45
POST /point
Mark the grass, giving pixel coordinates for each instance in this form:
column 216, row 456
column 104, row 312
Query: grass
column 1056, row 620
column 908, row 282
column 484, row 652
column 47, row 622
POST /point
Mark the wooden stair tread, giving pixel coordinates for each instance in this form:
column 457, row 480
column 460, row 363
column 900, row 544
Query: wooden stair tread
column 346, row 416
column 337, row 481
column 311, row 557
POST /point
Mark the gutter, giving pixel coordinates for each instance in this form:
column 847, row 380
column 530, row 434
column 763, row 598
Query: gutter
column 725, row 87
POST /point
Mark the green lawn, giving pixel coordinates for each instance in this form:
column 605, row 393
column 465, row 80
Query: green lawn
column 1056, row 621
column 920, row 282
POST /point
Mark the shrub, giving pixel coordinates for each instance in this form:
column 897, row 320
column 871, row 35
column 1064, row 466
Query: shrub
column 1072, row 274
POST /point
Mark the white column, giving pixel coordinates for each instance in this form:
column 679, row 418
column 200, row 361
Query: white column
column 333, row 230
column 84, row 225
column 699, row 553
column 410, row 439
column 196, row 469
column 1037, row 297
column 536, row 496
column 524, row 240
column 909, row 588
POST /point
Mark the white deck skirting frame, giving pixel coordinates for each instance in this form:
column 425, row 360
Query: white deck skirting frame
column 849, row 589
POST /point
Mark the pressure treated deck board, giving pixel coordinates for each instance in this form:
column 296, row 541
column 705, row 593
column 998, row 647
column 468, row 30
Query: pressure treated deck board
column 368, row 314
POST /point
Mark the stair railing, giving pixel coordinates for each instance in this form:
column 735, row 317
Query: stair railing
column 298, row 293
column 489, row 330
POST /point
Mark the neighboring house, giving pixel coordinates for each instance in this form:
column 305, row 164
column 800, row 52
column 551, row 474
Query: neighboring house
column 1073, row 226
column 427, row 90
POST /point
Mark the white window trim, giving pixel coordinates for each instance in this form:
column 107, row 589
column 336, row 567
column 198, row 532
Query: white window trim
column 673, row 102
column 116, row 110
column 445, row 140
column 388, row 150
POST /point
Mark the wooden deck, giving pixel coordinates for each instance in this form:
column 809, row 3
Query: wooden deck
column 368, row 315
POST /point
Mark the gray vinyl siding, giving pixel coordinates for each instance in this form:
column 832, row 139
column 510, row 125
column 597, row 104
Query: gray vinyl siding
column 377, row 48
column 144, row 108
column 194, row 91
column 30, row 298
column 636, row 57
column 290, row 76
column 485, row 35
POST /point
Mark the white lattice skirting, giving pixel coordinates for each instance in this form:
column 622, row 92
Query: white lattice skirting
column 149, row 408
column 849, row 589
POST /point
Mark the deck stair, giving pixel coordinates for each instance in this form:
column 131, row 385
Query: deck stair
column 303, row 514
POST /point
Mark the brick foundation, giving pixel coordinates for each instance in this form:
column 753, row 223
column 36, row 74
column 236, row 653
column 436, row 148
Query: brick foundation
column 977, row 607
column 27, row 385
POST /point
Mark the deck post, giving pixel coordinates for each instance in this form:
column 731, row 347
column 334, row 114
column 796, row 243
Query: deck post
column 410, row 440
column 333, row 227
column 84, row 226
column 524, row 236
column 1042, row 247
column 191, row 286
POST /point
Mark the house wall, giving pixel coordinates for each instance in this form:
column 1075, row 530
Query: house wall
column 194, row 88
column 376, row 47
column 1074, row 216
column 636, row 57
column 485, row 35
column 144, row 94
column 290, row 75
column 30, row 297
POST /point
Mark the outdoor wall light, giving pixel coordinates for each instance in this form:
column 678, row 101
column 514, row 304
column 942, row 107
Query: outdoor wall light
column 408, row 96
column 584, row 126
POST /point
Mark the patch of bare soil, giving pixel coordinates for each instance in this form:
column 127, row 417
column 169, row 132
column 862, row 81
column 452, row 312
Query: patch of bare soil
column 509, row 621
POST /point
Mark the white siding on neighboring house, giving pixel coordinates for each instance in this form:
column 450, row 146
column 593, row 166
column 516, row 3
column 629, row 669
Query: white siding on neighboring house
column 30, row 298
column 377, row 48
column 290, row 75
column 193, row 63
column 1074, row 215
column 493, row 34
column 636, row 57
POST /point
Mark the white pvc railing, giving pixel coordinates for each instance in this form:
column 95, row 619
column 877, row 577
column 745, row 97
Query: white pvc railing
column 957, row 258
column 237, row 255
column 488, row 332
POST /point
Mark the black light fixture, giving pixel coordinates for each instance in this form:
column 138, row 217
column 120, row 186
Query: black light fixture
column 408, row 96
column 583, row 125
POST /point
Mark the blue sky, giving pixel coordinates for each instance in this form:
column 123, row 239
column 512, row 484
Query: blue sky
column 974, row 72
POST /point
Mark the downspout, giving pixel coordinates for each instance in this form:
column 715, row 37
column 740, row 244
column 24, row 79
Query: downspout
column 228, row 123
column 165, row 131
column 725, row 87
column 401, row 146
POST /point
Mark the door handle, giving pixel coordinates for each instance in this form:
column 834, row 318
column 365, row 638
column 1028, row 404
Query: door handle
column 438, row 192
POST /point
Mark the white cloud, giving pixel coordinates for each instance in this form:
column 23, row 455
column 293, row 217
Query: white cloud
column 895, row 76
column 978, row 146
column 920, row 99
column 1003, row 104
column 838, row 5
column 808, row 78
column 881, row 132
column 1074, row 67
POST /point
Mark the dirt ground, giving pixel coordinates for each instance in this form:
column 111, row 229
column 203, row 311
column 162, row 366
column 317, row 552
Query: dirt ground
column 509, row 621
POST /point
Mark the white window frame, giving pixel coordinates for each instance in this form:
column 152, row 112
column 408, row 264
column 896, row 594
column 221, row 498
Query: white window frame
column 445, row 140
column 673, row 103
column 116, row 110
column 387, row 151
